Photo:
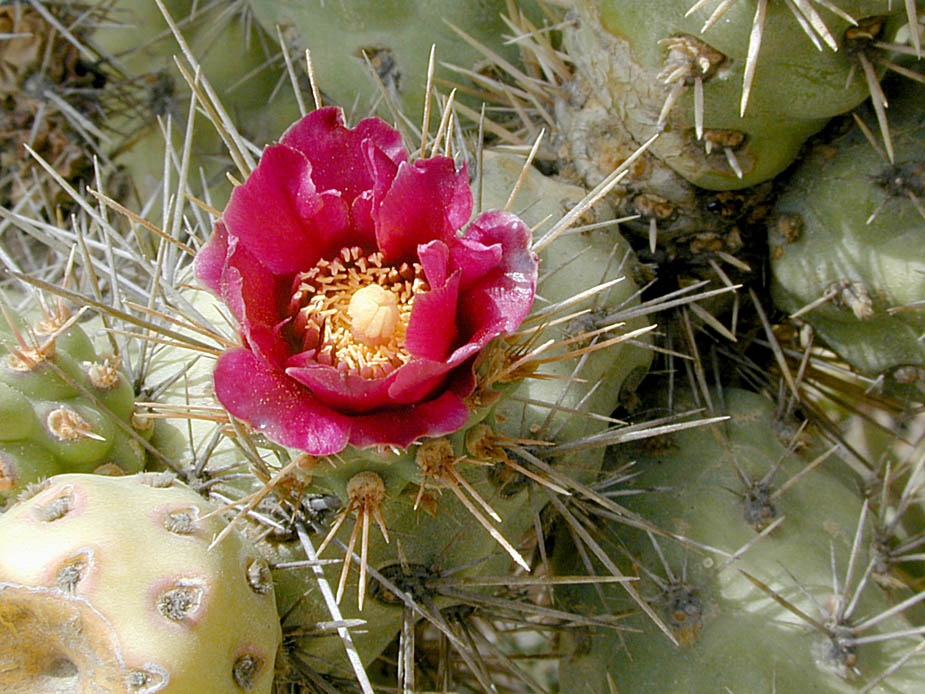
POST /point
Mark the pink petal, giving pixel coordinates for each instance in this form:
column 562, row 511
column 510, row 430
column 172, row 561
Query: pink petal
column 435, row 259
column 210, row 260
column 280, row 216
column 338, row 154
column 405, row 425
column 277, row 406
column 346, row 393
column 417, row 380
column 428, row 200
column 475, row 259
column 432, row 327
column 499, row 301
column 251, row 293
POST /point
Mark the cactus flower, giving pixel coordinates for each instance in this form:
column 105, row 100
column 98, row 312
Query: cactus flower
column 361, row 293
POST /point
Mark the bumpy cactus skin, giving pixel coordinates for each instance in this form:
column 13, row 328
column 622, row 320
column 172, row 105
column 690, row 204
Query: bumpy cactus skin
column 396, row 35
column 65, row 409
column 633, row 54
column 233, row 53
column 849, row 227
column 570, row 265
column 733, row 636
column 108, row 585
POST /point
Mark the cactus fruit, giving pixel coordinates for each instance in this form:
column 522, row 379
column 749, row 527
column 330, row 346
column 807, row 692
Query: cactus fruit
column 65, row 408
column 845, row 250
column 763, row 576
column 108, row 584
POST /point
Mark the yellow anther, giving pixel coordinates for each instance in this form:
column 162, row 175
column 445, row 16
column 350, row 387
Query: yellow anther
column 373, row 314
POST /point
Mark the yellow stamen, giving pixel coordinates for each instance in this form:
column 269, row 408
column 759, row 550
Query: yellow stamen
column 353, row 310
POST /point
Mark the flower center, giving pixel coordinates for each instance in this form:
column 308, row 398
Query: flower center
column 353, row 310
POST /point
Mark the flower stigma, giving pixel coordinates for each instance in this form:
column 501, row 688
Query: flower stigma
column 353, row 311
column 373, row 314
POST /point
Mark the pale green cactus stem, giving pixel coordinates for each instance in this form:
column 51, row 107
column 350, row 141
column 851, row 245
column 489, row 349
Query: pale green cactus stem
column 108, row 585
column 765, row 579
column 395, row 37
column 846, row 251
column 235, row 55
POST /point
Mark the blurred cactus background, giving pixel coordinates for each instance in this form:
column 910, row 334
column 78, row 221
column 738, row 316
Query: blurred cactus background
column 654, row 423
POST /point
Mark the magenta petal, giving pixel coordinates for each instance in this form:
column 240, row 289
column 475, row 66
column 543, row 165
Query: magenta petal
column 475, row 259
column 417, row 380
column 338, row 154
column 250, row 292
column 279, row 215
column 363, row 229
column 435, row 259
column 276, row 406
column 210, row 260
column 248, row 287
column 405, row 425
column 499, row 301
column 428, row 200
column 432, row 327
column 345, row 392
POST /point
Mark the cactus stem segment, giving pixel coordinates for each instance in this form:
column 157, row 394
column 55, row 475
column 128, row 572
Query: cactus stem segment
column 483, row 444
column 806, row 16
column 66, row 424
column 689, row 62
column 26, row 357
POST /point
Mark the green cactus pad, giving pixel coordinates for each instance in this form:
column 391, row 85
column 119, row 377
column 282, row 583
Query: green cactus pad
column 65, row 406
column 634, row 54
column 396, row 35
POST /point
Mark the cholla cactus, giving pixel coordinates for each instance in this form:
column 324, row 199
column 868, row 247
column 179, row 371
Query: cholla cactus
column 761, row 568
column 396, row 356
column 350, row 41
column 378, row 342
column 733, row 98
